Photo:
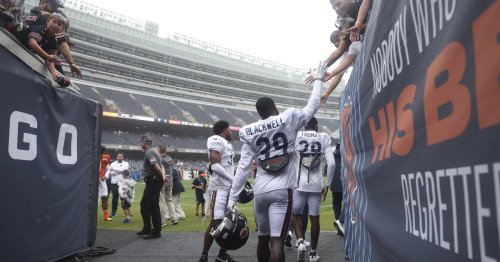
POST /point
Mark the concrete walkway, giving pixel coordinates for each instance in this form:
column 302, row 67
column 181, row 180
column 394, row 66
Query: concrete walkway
column 183, row 246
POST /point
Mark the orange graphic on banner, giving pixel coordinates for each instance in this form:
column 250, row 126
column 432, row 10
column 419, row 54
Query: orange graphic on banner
column 486, row 31
column 349, row 160
column 450, row 63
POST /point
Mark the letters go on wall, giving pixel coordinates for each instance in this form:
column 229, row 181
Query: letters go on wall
column 48, row 154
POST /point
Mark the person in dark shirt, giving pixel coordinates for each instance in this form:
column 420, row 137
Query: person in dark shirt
column 154, row 176
column 39, row 15
column 337, row 189
column 44, row 41
column 200, row 187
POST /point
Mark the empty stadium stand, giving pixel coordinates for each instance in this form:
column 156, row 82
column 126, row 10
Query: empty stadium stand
column 132, row 72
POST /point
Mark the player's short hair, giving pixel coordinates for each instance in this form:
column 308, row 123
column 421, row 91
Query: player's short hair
column 312, row 124
column 125, row 173
column 120, row 153
column 219, row 126
column 103, row 149
column 265, row 107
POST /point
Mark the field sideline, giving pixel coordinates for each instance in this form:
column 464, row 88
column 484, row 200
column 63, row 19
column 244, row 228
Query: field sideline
column 193, row 223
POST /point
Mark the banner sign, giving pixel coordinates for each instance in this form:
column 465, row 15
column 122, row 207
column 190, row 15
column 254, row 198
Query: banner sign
column 421, row 134
column 49, row 162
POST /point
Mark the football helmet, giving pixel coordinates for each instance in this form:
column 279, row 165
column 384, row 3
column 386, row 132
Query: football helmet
column 246, row 194
column 232, row 232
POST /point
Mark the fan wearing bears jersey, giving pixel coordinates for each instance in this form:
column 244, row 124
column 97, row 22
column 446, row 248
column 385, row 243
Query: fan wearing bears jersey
column 220, row 155
column 315, row 153
column 272, row 142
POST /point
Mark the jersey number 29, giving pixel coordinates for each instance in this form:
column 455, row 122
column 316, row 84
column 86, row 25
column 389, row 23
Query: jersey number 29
column 280, row 142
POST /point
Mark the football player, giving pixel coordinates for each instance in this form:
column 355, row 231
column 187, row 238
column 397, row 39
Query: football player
column 272, row 142
column 315, row 153
column 103, row 188
column 220, row 155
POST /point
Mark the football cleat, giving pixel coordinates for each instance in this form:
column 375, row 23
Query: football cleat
column 313, row 257
column 288, row 239
column 301, row 250
column 225, row 258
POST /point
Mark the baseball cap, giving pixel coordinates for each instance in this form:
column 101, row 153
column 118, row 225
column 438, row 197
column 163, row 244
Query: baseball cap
column 146, row 139
column 56, row 3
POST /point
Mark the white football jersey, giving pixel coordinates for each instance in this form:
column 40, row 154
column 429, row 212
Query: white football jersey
column 226, row 151
column 273, row 137
column 271, row 142
column 310, row 143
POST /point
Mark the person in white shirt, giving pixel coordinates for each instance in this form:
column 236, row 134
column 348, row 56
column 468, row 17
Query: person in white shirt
column 315, row 153
column 272, row 142
column 127, row 195
column 220, row 155
column 115, row 175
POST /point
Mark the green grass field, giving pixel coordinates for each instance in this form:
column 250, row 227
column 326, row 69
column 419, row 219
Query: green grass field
column 194, row 223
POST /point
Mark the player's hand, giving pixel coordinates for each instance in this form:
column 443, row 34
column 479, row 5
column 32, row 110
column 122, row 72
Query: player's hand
column 316, row 74
column 355, row 32
column 324, row 193
column 232, row 206
column 75, row 70
column 320, row 71
column 324, row 98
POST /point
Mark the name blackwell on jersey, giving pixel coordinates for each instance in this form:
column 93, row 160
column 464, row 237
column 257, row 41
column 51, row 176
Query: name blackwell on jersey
column 252, row 130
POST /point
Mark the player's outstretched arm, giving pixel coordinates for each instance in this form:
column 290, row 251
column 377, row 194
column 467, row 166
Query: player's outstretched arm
column 242, row 173
column 314, row 100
